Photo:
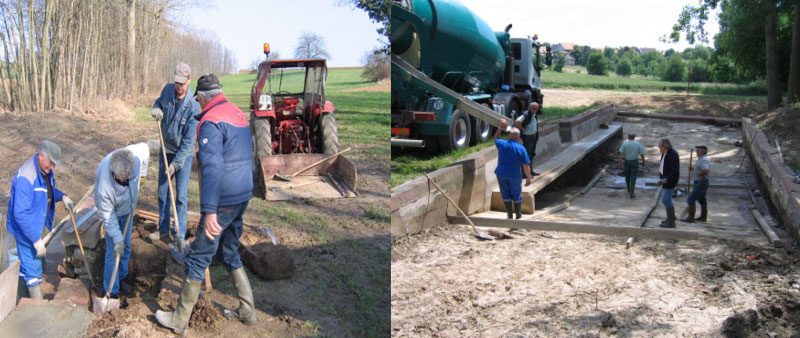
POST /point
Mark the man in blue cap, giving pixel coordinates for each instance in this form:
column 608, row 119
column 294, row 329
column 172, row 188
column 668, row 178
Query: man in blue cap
column 31, row 206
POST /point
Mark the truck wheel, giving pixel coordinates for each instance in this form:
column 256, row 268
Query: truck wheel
column 481, row 131
column 262, row 146
column 513, row 109
column 330, row 135
column 460, row 130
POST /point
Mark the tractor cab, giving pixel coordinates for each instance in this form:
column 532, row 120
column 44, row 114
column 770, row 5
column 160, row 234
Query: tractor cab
column 293, row 125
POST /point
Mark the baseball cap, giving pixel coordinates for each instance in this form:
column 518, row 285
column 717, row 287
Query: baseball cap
column 208, row 82
column 53, row 151
column 182, row 73
column 702, row 147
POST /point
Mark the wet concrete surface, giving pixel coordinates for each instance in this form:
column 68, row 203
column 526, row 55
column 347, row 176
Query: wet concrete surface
column 47, row 320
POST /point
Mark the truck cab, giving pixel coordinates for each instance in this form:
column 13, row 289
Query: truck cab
column 528, row 64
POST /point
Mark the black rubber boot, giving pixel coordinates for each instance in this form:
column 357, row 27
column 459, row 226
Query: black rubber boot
column 690, row 209
column 703, row 213
column 509, row 210
column 246, row 312
column 518, row 207
column 178, row 320
column 670, row 222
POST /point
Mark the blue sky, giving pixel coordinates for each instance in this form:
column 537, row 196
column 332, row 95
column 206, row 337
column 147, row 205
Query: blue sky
column 590, row 22
column 244, row 26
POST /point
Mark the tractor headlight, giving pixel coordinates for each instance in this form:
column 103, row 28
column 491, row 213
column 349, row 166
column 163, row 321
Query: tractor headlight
column 265, row 102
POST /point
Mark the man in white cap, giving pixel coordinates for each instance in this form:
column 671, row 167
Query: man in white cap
column 31, row 206
column 175, row 110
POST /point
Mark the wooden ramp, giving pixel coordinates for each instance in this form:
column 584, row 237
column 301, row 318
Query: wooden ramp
column 558, row 165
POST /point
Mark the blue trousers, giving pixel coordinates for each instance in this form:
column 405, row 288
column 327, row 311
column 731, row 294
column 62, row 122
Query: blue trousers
column 698, row 192
column 110, row 258
column 182, row 186
column 225, row 245
column 510, row 188
column 666, row 197
column 30, row 267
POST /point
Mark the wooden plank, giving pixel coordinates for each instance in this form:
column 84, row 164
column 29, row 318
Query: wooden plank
column 768, row 231
column 594, row 180
column 653, row 207
column 549, row 210
column 585, row 228
column 8, row 283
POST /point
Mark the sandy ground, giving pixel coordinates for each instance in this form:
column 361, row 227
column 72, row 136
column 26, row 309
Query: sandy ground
column 327, row 239
column 446, row 283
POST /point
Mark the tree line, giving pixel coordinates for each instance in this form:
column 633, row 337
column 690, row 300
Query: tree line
column 69, row 53
column 757, row 39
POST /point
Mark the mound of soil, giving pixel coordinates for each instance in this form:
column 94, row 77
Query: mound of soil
column 204, row 315
column 778, row 317
column 268, row 261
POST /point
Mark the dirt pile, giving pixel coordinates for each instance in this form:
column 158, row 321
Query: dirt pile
column 204, row 315
column 268, row 261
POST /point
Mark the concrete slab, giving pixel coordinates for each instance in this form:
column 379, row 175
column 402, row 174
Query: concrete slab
column 47, row 320
column 557, row 166
column 73, row 291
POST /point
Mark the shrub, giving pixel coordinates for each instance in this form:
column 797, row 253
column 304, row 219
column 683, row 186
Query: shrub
column 597, row 64
column 376, row 66
column 624, row 68
column 560, row 64
column 675, row 70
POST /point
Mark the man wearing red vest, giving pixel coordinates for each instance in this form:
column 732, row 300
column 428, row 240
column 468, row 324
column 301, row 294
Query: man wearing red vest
column 226, row 186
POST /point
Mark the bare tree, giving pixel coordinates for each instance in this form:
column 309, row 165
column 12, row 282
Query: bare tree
column 311, row 45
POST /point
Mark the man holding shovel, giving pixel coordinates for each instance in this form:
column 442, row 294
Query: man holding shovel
column 175, row 110
column 31, row 206
column 226, row 186
column 698, row 194
column 116, row 191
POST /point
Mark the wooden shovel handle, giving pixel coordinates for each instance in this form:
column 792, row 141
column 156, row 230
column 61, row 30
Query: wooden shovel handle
column 320, row 161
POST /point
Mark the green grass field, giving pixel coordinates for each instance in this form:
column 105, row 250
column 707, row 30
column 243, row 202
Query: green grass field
column 409, row 164
column 576, row 77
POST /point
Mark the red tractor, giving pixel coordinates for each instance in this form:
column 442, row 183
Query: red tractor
column 289, row 115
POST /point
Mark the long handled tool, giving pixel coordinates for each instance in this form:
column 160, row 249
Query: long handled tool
column 688, row 184
column 177, row 225
column 481, row 235
column 289, row 178
column 105, row 304
column 83, row 253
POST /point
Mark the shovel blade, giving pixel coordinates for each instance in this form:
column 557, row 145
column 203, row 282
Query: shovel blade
column 484, row 236
column 102, row 305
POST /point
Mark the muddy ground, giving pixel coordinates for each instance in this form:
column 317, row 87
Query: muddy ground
column 340, row 248
column 446, row 283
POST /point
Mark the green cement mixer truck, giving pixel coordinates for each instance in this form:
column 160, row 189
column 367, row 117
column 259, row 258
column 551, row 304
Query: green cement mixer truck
column 453, row 78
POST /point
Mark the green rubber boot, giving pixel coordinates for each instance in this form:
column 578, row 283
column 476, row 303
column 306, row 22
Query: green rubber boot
column 246, row 312
column 178, row 320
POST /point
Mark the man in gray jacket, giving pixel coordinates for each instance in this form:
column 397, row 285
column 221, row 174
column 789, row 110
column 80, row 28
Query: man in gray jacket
column 116, row 190
column 175, row 110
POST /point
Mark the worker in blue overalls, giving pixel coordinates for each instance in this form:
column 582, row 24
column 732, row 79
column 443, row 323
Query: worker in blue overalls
column 31, row 206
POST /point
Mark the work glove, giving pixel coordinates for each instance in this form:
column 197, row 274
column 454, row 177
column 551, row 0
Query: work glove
column 119, row 247
column 157, row 113
column 40, row 249
column 171, row 169
column 67, row 202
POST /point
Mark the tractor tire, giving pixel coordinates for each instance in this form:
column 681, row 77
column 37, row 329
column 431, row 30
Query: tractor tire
column 262, row 146
column 459, row 136
column 329, row 134
column 481, row 131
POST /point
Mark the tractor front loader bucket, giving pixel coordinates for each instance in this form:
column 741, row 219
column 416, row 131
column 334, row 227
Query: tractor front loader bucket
column 335, row 178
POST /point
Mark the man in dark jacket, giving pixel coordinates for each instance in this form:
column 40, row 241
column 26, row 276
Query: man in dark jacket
column 175, row 110
column 226, row 186
column 668, row 171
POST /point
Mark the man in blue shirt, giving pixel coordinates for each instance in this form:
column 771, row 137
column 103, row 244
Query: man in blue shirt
column 31, row 206
column 175, row 110
column 511, row 155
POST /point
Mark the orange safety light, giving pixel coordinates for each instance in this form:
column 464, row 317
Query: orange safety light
column 266, row 49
